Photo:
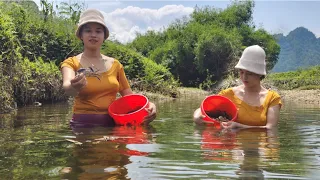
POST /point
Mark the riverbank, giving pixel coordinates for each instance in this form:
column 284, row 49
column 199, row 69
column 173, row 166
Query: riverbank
column 295, row 96
column 301, row 96
column 311, row 97
column 182, row 92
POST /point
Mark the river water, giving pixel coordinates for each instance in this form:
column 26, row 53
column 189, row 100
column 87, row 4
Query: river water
column 37, row 143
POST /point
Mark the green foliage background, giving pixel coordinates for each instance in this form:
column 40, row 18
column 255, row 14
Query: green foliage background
column 202, row 49
column 300, row 79
column 33, row 43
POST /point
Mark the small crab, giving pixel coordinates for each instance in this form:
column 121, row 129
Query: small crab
column 90, row 72
column 223, row 119
column 220, row 116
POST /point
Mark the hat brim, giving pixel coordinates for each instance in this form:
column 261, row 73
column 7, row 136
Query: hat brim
column 80, row 25
column 240, row 66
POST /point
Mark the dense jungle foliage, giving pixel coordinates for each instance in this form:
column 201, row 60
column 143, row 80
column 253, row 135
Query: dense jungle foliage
column 198, row 51
column 34, row 42
column 202, row 49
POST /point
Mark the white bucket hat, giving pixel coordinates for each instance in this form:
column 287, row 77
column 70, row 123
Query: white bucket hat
column 253, row 59
column 91, row 15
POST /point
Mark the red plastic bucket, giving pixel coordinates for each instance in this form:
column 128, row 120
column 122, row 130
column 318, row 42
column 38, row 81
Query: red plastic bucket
column 216, row 103
column 129, row 109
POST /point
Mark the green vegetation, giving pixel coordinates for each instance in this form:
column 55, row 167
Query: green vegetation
column 197, row 51
column 35, row 42
column 32, row 43
column 202, row 49
column 302, row 79
column 144, row 74
column 299, row 49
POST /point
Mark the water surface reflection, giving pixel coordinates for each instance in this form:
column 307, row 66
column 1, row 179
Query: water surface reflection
column 37, row 143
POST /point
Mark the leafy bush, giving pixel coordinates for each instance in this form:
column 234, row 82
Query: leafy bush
column 37, row 81
column 204, row 48
column 144, row 74
column 9, row 56
column 33, row 43
column 302, row 78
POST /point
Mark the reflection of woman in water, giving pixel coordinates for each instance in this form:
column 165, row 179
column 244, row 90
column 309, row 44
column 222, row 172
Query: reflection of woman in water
column 103, row 152
column 217, row 143
column 256, row 147
column 251, row 148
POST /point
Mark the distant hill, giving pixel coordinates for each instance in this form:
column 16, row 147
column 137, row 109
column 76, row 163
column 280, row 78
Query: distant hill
column 299, row 49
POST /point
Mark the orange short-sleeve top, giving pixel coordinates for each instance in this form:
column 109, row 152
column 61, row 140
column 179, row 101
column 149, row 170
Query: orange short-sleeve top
column 96, row 97
column 252, row 115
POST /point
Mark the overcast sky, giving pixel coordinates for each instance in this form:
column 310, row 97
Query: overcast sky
column 125, row 18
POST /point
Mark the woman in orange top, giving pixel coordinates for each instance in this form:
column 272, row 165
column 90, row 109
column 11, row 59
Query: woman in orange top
column 257, row 106
column 93, row 95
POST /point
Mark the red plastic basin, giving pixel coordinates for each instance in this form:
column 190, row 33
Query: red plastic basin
column 215, row 103
column 129, row 109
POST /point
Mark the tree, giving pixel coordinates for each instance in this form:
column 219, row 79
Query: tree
column 206, row 46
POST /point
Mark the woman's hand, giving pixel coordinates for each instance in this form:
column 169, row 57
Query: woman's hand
column 198, row 117
column 72, row 83
column 234, row 125
column 229, row 125
column 79, row 81
column 152, row 113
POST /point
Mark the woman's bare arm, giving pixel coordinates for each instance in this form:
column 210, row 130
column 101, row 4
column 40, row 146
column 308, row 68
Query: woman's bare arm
column 72, row 84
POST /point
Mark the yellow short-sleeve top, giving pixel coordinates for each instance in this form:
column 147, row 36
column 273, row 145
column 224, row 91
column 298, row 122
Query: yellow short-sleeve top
column 253, row 115
column 96, row 97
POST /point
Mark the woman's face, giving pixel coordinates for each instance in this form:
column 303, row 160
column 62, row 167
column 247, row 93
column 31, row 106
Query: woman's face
column 92, row 35
column 249, row 78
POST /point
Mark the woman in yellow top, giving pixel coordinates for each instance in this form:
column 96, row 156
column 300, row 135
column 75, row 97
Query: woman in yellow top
column 257, row 106
column 93, row 95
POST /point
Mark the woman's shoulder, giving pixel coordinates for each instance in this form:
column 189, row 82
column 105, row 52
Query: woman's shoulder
column 73, row 58
column 227, row 91
column 71, row 62
column 273, row 98
column 111, row 60
column 235, row 89
column 274, row 93
column 116, row 61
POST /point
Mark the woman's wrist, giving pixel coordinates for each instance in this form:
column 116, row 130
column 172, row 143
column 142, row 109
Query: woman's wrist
column 72, row 91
